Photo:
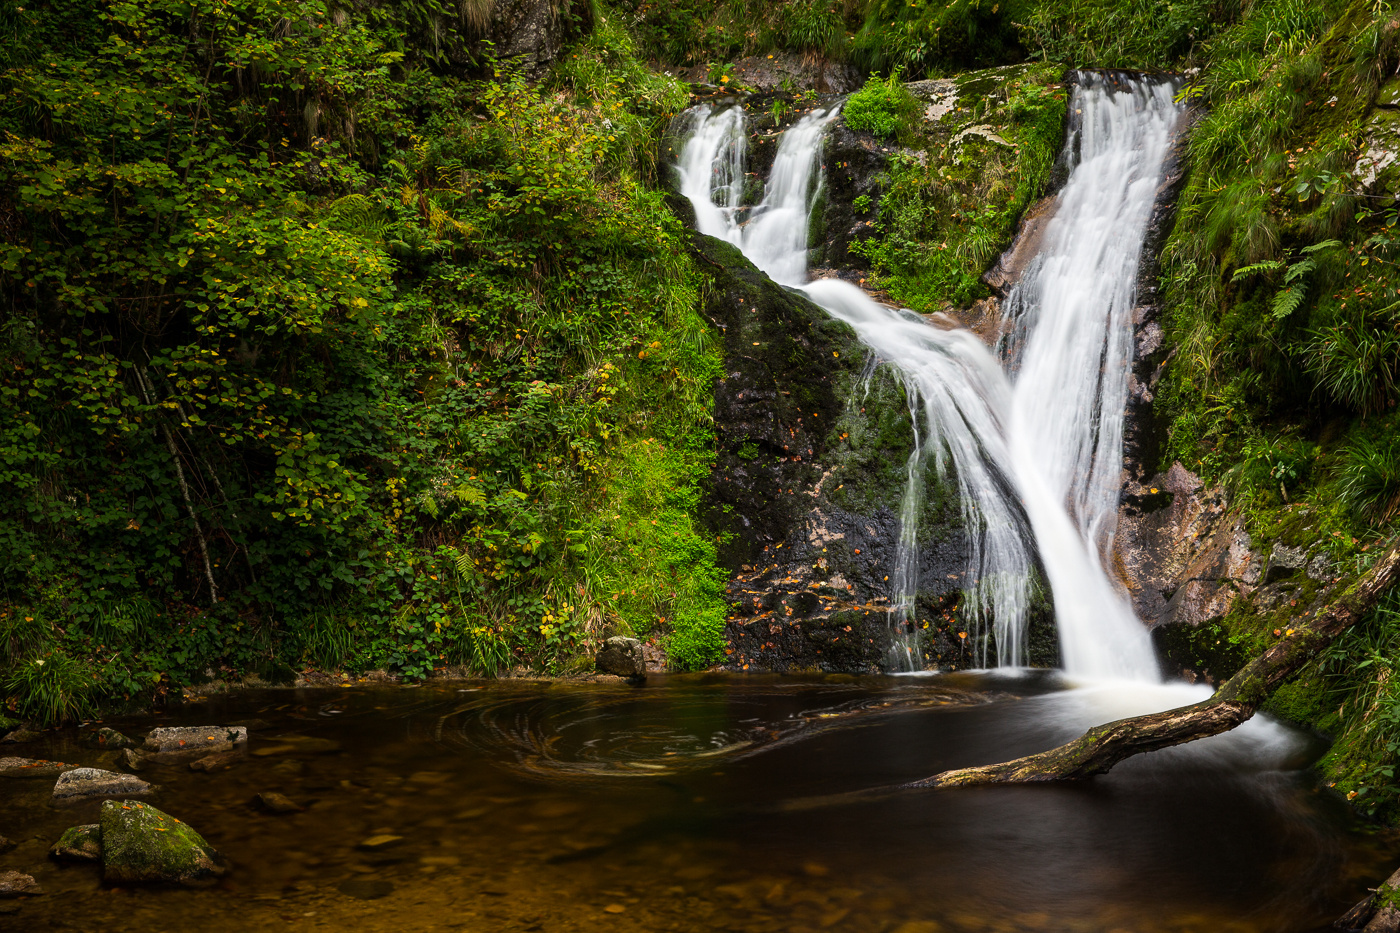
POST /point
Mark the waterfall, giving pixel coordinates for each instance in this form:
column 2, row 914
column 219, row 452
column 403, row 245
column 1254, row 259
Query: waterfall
column 1072, row 315
column 1035, row 459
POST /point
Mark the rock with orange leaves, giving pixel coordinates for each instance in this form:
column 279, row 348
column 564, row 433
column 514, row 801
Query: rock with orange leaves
column 169, row 742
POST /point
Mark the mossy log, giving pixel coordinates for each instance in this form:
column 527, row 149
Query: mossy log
column 1234, row 702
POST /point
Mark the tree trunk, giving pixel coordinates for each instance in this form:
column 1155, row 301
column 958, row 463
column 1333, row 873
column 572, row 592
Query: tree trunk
column 1234, row 702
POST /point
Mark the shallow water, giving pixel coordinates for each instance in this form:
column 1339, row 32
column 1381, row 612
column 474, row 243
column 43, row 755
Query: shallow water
column 712, row 803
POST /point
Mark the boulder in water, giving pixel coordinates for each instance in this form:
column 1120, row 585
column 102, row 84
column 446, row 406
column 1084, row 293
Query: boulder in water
column 86, row 783
column 179, row 741
column 79, row 844
column 274, row 802
column 622, row 656
column 143, row 844
column 32, row 768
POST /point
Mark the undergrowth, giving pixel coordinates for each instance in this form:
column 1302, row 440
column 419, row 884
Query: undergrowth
column 326, row 350
column 949, row 211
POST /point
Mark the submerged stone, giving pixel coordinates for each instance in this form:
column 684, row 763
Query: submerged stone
column 15, row 884
column 622, row 656
column 20, row 736
column 82, row 783
column 107, row 738
column 366, row 889
column 143, row 844
column 79, row 844
column 219, row 761
column 278, row 803
column 381, row 841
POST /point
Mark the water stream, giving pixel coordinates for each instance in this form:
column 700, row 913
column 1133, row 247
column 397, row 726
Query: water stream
column 1033, row 440
column 685, row 806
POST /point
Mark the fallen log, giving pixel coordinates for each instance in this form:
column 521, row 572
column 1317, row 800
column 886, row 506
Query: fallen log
column 1234, row 702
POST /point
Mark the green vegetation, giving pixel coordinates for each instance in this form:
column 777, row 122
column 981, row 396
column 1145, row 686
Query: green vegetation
column 949, row 210
column 322, row 350
column 882, row 107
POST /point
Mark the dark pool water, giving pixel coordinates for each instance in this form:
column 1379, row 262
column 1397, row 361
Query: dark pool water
column 708, row 803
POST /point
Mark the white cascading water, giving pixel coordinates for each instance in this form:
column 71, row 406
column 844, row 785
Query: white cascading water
column 1054, row 437
column 1072, row 314
column 950, row 377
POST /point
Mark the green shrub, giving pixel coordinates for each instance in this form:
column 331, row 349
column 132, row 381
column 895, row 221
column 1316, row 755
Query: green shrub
column 881, row 108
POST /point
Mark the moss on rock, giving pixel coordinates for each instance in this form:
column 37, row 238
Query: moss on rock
column 143, row 844
column 79, row 844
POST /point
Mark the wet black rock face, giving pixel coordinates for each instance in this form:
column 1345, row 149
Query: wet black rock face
column 813, row 437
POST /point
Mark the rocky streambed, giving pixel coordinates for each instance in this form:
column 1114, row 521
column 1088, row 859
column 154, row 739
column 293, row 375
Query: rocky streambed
column 683, row 803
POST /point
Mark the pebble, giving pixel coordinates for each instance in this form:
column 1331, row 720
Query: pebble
column 274, row 802
column 380, row 841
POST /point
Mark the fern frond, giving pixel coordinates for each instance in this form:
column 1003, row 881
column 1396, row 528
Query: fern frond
column 1298, row 270
column 1268, row 265
column 1286, row 302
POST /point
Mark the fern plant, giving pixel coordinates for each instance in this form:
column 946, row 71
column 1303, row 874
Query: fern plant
column 1295, row 278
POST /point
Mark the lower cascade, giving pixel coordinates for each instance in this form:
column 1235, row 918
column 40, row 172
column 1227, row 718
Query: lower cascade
column 1029, row 433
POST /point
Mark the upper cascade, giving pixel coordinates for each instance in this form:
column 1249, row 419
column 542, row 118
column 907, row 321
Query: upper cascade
column 1035, row 458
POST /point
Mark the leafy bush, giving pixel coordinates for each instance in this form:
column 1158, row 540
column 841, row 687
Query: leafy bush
column 282, row 350
column 881, row 107
column 942, row 221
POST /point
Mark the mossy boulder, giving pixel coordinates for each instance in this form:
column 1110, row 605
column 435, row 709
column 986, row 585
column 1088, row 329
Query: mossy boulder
column 143, row 844
column 79, row 844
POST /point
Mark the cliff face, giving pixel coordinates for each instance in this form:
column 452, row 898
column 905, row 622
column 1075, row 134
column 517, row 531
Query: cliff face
column 814, row 432
column 813, row 436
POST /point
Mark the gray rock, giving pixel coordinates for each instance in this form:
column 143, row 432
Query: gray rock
column 622, row 656
column 32, row 768
column 179, row 741
column 1320, row 566
column 133, row 759
column 274, row 802
column 1284, row 561
column 107, row 738
column 143, row 844
column 86, row 783
column 79, row 844
column 14, row 884
column 530, row 32
column 20, row 736
column 6, row 845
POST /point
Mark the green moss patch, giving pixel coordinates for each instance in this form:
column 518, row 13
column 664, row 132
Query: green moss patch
column 143, row 844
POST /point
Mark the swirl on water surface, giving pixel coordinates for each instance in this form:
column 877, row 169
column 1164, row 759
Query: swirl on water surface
column 639, row 733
